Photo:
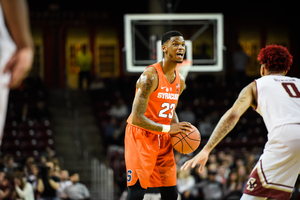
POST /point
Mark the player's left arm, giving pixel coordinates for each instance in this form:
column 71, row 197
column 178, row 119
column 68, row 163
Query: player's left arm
column 182, row 87
column 182, row 83
column 175, row 119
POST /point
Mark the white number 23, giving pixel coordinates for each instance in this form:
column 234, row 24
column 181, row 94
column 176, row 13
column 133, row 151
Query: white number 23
column 166, row 107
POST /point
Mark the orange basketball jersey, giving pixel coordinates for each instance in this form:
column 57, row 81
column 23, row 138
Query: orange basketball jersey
column 163, row 100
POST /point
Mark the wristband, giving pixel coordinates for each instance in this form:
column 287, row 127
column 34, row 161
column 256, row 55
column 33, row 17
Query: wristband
column 166, row 128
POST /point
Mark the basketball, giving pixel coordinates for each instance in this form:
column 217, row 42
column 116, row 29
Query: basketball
column 186, row 143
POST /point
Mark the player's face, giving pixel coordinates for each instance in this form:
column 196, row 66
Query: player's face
column 176, row 49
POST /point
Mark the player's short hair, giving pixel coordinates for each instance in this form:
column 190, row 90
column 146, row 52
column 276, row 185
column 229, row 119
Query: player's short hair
column 275, row 58
column 168, row 35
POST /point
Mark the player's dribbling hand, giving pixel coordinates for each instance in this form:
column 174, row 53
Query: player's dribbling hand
column 201, row 158
column 19, row 65
column 181, row 127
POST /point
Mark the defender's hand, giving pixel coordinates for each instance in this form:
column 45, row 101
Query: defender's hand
column 201, row 158
column 181, row 127
column 19, row 65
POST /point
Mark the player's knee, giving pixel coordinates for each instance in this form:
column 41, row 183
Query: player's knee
column 135, row 195
column 171, row 196
column 135, row 192
column 169, row 193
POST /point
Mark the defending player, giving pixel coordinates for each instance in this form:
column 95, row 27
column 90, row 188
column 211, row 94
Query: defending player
column 276, row 98
column 148, row 151
column 16, row 50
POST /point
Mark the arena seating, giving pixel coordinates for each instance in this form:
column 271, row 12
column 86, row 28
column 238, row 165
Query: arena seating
column 25, row 133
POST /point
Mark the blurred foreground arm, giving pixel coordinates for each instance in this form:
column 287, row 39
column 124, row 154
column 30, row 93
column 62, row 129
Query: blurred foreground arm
column 17, row 19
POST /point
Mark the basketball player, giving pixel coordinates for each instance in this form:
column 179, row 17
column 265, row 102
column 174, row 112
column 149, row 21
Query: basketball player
column 148, row 150
column 16, row 50
column 276, row 98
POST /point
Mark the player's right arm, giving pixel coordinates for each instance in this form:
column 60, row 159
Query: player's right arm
column 246, row 98
column 146, row 84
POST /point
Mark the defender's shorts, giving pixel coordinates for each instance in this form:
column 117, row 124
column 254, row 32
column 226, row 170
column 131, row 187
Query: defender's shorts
column 149, row 157
column 275, row 174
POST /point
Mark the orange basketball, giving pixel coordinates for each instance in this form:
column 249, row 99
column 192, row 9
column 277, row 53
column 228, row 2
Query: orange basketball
column 186, row 143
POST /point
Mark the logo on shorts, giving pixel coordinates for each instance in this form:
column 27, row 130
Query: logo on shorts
column 251, row 184
column 129, row 172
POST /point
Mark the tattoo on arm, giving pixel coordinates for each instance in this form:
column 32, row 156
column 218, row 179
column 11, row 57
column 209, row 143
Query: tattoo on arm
column 146, row 86
column 222, row 129
column 241, row 99
column 244, row 98
column 140, row 103
column 230, row 118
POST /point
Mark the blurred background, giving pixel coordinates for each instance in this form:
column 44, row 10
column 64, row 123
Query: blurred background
column 72, row 108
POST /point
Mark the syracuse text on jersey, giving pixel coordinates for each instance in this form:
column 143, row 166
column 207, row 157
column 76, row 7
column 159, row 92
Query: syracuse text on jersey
column 165, row 95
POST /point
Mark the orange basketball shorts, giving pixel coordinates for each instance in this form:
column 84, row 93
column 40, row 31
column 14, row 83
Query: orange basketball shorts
column 149, row 157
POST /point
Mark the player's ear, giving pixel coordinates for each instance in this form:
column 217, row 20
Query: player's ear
column 285, row 72
column 164, row 48
column 262, row 70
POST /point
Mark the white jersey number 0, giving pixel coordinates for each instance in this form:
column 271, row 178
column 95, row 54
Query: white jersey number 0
column 291, row 89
